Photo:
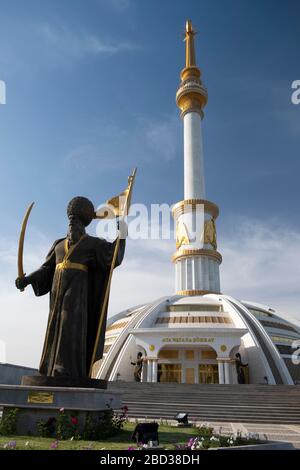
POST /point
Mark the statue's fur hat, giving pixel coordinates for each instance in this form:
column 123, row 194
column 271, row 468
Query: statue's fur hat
column 82, row 208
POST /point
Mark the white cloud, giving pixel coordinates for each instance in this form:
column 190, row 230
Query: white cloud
column 143, row 140
column 162, row 137
column 146, row 274
column 23, row 317
column 121, row 5
column 261, row 262
column 74, row 44
column 54, row 44
column 83, row 157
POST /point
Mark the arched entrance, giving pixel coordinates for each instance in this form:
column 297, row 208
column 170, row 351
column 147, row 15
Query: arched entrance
column 188, row 365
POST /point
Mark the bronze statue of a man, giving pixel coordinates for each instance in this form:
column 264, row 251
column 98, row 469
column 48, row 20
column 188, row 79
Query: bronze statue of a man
column 76, row 273
column 240, row 369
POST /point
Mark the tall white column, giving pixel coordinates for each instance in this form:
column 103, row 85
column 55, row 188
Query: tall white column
column 196, row 256
column 221, row 372
column 194, row 187
column 154, row 370
column 226, row 372
column 144, row 372
column 149, row 370
column 233, row 374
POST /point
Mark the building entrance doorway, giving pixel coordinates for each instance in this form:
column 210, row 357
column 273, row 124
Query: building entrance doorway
column 170, row 373
column 190, row 375
column 208, row 374
column 187, row 365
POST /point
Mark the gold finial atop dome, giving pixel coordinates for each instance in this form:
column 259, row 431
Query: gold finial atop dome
column 190, row 58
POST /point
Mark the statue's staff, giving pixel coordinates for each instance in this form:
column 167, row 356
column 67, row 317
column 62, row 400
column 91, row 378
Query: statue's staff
column 123, row 213
column 21, row 273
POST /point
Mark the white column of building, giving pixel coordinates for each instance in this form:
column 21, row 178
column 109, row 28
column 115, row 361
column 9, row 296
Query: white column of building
column 154, row 370
column 194, row 186
column 221, row 372
column 149, row 370
column 233, row 374
column 144, row 372
column 226, row 372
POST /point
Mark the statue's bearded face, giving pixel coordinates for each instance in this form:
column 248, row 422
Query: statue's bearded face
column 80, row 212
column 76, row 228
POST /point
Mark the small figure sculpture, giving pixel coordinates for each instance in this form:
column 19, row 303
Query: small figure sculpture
column 138, row 367
column 159, row 372
column 240, row 369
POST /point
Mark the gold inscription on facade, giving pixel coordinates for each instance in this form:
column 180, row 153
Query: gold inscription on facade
column 188, row 340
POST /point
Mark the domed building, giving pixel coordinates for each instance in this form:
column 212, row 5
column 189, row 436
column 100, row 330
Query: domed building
column 198, row 334
column 195, row 339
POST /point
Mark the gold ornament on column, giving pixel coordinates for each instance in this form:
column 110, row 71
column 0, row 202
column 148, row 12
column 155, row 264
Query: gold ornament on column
column 209, row 235
column 182, row 237
column 191, row 95
column 190, row 57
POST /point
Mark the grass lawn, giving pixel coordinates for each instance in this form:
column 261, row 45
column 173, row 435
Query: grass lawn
column 167, row 436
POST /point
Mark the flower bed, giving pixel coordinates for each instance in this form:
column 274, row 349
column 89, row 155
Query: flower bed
column 209, row 439
column 170, row 438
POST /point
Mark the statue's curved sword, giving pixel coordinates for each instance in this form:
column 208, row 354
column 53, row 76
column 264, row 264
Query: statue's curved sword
column 21, row 273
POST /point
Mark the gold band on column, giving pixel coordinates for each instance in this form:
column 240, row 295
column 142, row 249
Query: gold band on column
column 191, row 204
column 199, row 252
column 196, row 292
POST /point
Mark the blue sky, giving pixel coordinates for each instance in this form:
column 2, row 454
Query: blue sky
column 91, row 93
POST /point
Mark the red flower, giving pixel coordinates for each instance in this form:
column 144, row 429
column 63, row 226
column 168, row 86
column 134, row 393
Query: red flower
column 74, row 421
column 125, row 408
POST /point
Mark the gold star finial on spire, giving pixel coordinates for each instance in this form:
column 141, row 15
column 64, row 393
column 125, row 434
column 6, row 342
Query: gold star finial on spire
column 190, row 59
column 191, row 94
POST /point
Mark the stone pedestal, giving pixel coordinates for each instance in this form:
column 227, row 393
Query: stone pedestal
column 61, row 381
column 35, row 403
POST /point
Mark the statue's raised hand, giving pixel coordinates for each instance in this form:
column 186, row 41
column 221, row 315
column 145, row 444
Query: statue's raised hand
column 21, row 282
column 123, row 229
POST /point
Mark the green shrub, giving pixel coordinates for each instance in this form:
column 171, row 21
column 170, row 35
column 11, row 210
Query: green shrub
column 8, row 423
column 46, row 428
column 205, row 431
column 107, row 424
column 66, row 425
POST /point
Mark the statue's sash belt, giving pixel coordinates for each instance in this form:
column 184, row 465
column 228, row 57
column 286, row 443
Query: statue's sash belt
column 68, row 265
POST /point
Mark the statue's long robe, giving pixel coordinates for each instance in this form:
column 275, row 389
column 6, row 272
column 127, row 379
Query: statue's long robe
column 76, row 297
